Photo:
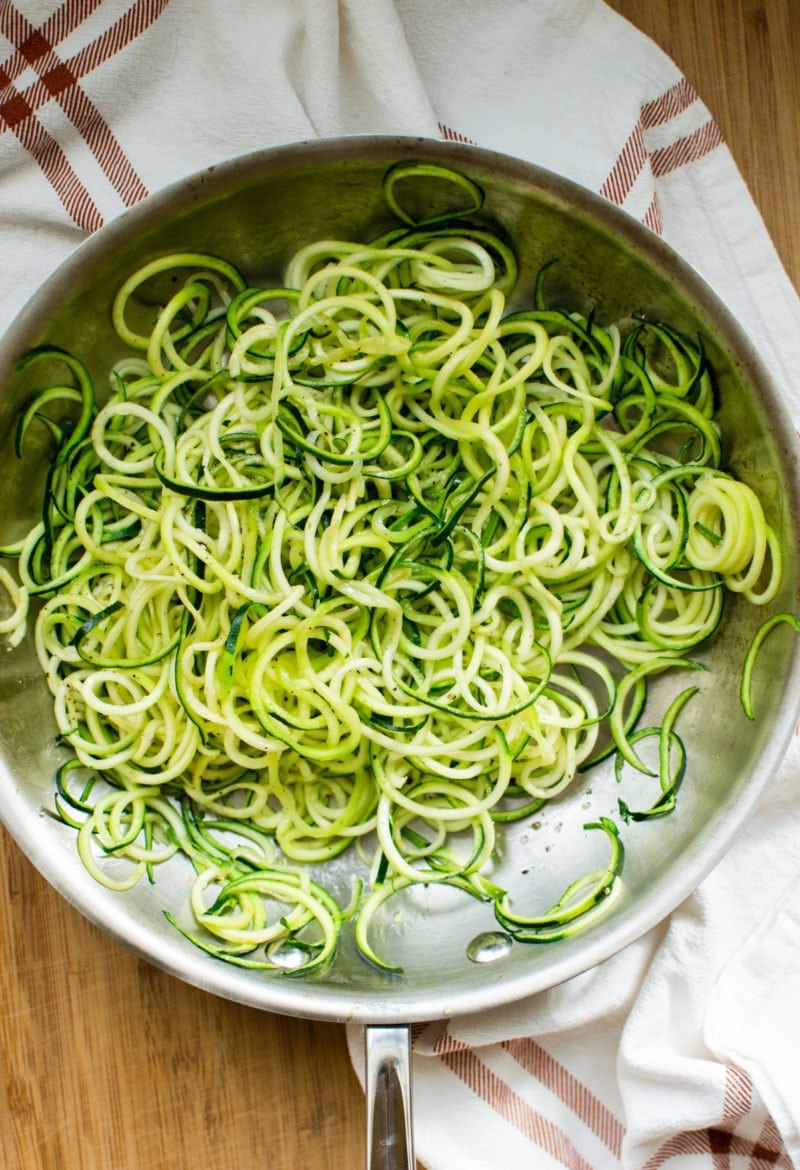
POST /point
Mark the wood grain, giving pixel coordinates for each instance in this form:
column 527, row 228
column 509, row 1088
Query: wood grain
column 743, row 58
column 107, row 1064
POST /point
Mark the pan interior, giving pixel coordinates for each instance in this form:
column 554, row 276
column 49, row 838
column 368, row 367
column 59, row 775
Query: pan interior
column 256, row 211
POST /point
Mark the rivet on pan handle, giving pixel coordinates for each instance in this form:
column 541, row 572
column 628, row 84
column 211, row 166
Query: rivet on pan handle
column 390, row 1139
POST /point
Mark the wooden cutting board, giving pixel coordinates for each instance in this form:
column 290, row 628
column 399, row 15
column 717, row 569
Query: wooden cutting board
column 108, row 1064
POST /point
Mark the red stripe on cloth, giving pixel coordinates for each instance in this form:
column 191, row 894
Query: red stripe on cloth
column 686, row 150
column 15, row 27
column 107, row 150
column 539, row 1130
column 761, row 1157
column 680, row 1145
column 673, row 101
column 627, row 168
column 60, row 174
column 446, row 1043
column 104, row 146
column 129, row 26
column 12, row 25
column 727, row 1149
column 738, row 1099
column 653, row 217
column 723, row 1147
column 451, row 135
column 720, row 1143
column 415, row 1031
column 59, row 80
column 67, row 18
column 769, row 1150
column 571, row 1091
column 634, row 155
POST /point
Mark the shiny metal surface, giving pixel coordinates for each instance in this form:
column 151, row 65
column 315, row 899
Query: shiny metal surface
column 387, row 1085
column 256, row 211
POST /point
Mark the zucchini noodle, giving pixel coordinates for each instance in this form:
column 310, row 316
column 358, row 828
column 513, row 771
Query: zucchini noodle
column 364, row 560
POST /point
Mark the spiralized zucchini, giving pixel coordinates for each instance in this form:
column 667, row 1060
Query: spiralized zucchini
column 366, row 560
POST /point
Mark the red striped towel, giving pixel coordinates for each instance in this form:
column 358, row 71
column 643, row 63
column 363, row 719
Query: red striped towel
column 679, row 1052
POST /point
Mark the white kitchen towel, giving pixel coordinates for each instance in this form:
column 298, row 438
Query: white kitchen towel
column 680, row 1051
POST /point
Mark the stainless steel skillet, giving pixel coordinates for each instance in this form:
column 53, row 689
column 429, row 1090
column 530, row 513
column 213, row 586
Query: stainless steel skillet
column 256, row 211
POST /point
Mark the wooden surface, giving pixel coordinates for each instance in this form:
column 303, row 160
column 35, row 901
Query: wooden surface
column 105, row 1063
column 743, row 58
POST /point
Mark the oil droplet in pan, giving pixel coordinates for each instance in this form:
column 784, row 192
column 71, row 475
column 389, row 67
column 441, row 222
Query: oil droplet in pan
column 489, row 946
column 286, row 956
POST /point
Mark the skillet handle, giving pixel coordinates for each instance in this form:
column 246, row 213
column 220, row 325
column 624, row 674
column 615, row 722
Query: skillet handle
column 387, row 1082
